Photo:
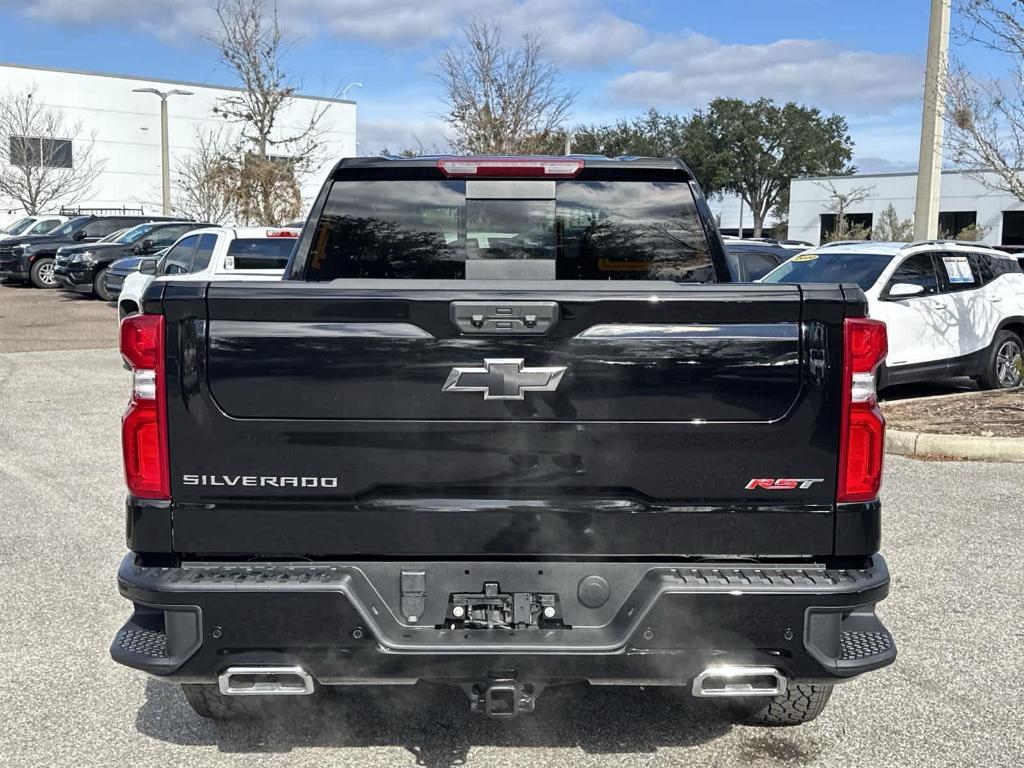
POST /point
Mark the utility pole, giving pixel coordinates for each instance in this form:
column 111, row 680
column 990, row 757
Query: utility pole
column 929, row 164
column 165, row 147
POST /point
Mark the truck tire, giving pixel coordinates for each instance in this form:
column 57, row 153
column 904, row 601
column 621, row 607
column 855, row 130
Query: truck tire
column 799, row 704
column 1001, row 367
column 208, row 701
column 99, row 286
column 41, row 273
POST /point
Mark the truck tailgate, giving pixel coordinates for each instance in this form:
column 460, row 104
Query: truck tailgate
column 429, row 420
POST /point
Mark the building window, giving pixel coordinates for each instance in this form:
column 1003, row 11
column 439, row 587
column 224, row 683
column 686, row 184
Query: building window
column 34, row 151
column 951, row 223
column 828, row 223
column 1013, row 228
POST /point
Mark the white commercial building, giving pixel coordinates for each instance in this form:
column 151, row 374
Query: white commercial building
column 125, row 129
column 963, row 201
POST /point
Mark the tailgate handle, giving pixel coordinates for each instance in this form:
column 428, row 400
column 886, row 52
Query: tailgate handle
column 504, row 318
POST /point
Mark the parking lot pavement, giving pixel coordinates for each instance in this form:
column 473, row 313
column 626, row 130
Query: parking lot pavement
column 34, row 319
column 953, row 537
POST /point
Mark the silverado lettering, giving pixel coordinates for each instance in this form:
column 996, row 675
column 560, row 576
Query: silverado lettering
column 529, row 385
column 261, row 481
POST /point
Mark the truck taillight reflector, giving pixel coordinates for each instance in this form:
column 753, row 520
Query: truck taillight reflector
column 474, row 167
column 862, row 445
column 144, row 426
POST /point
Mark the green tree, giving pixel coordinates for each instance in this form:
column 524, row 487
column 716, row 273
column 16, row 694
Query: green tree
column 653, row 134
column 754, row 149
column 891, row 229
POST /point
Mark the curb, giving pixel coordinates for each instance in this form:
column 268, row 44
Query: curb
column 969, row 447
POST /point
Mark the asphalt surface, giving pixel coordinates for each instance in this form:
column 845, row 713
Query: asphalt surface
column 34, row 319
column 953, row 538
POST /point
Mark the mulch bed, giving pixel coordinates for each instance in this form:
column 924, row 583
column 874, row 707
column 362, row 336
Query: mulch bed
column 997, row 413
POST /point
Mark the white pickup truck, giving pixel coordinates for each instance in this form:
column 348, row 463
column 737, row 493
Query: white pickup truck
column 213, row 253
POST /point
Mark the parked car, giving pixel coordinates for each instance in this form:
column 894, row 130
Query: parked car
column 31, row 225
column 116, row 273
column 490, row 431
column 31, row 258
column 82, row 268
column 210, row 254
column 750, row 259
column 952, row 309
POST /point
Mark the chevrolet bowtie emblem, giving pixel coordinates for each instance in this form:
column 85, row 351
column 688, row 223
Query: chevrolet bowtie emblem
column 504, row 379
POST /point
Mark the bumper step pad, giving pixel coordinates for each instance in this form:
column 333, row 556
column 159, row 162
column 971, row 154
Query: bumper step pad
column 862, row 645
column 142, row 642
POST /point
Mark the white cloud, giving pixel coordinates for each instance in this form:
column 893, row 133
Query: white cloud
column 691, row 70
column 579, row 32
column 396, row 134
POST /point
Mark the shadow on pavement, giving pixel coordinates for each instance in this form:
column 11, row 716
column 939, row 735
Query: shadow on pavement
column 433, row 722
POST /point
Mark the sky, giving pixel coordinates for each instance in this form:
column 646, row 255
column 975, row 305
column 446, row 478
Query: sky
column 863, row 60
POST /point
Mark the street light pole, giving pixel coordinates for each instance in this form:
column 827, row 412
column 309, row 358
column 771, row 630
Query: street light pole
column 165, row 147
column 929, row 164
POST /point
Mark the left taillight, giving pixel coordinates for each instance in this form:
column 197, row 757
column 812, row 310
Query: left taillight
column 144, row 425
column 862, row 441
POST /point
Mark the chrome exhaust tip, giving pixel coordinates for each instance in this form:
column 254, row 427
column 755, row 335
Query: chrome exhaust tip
column 739, row 681
column 265, row 681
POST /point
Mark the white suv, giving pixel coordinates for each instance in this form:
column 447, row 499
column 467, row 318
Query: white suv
column 213, row 253
column 952, row 309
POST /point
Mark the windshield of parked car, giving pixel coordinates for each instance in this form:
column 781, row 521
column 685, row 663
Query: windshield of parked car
column 525, row 230
column 71, row 227
column 824, row 267
column 134, row 233
column 16, row 227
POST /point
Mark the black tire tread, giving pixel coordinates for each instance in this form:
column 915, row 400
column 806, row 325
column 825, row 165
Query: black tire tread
column 99, row 289
column 207, row 701
column 799, row 704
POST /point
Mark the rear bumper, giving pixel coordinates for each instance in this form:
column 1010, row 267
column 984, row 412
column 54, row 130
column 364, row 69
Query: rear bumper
column 660, row 624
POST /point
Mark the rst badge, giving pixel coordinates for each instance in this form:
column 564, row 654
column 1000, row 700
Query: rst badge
column 783, row 483
column 504, row 379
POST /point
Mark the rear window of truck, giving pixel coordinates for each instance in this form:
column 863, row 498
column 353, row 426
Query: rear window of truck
column 259, row 253
column 521, row 230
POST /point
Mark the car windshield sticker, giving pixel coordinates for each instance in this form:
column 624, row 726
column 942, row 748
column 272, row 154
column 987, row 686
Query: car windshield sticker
column 805, row 257
column 958, row 269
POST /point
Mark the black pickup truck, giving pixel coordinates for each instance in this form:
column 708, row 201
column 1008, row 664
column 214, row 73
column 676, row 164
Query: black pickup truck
column 505, row 424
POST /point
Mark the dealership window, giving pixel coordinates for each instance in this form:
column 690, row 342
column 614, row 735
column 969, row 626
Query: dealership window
column 951, row 223
column 828, row 223
column 35, row 151
column 1013, row 228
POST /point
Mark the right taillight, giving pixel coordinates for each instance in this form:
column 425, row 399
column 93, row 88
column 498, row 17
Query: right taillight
column 143, row 428
column 862, row 439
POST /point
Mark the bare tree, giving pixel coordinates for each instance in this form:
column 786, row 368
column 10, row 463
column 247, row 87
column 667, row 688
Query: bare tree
column 269, row 160
column 986, row 117
column 840, row 204
column 503, row 100
column 890, row 228
column 207, row 181
column 43, row 159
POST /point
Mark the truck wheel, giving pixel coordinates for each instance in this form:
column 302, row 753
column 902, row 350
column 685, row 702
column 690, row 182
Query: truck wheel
column 99, row 286
column 1003, row 362
column 208, row 701
column 41, row 274
column 799, row 704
